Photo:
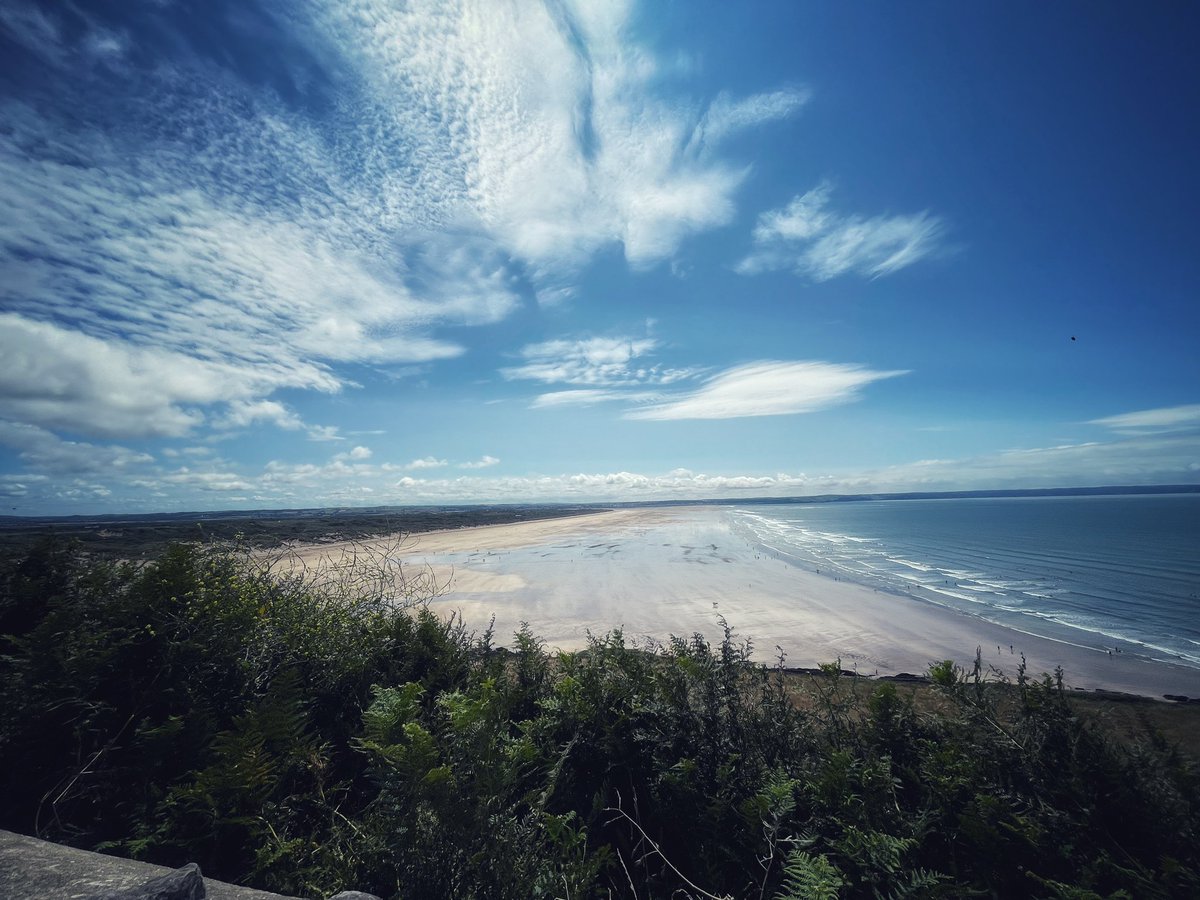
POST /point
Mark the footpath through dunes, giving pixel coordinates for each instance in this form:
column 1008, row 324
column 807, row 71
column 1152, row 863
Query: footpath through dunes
column 657, row 572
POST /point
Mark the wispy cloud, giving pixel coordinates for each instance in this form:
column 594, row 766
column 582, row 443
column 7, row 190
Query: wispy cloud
column 18, row 487
column 426, row 462
column 63, row 35
column 484, row 462
column 768, row 388
column 243, row 413
column 1153, row 421
column 324, row 433
column 551, row 128
column 726, row 115
column 615, row 370
column 212, row 481
column 591, row 396
column 34, row 29
column 1150, row 459
column 75, row 475
column 809, row 238
column 181, row 242
column 594, row 361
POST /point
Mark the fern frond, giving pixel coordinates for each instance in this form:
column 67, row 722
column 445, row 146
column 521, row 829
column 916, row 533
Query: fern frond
column 919, row 883
column 809, row 877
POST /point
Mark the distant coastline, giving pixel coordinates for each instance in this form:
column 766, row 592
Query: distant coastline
column 552, row 509
column 1106, row 491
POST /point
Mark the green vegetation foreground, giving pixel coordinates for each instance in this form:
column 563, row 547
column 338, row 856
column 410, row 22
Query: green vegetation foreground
column 307, row 738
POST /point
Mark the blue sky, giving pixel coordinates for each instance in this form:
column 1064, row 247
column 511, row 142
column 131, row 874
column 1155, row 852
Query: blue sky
column 361, row 253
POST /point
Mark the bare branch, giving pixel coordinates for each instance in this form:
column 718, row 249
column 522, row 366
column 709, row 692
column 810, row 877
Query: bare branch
column 657, row 851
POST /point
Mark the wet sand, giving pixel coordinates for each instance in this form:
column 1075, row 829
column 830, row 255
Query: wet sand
column 673, row 571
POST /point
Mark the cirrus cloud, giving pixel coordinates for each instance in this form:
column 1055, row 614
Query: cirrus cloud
column 182, row 234
column 484, row 462
column 427, row 462
column 810, row 239
column 606, row 361
column 1152, row 421
column 768, row 388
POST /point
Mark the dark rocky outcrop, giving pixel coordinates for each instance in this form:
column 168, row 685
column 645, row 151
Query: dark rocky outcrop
column 31, row 869
column 40, row 870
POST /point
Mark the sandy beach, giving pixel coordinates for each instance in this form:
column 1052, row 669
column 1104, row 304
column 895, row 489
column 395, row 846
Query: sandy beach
column 673, row 571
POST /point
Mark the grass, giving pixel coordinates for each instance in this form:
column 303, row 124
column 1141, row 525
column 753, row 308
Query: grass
column 1127, row 719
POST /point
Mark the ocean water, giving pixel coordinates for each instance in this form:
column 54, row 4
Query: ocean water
column 1119, row 572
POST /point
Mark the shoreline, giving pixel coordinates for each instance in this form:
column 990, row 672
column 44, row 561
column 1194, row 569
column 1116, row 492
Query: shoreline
column 677, row 570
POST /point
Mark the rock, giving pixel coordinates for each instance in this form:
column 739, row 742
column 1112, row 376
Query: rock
column 30, row 868
column 182, row 884
column 353, row 895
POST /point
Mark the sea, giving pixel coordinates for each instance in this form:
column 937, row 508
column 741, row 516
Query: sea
column 1120, row 573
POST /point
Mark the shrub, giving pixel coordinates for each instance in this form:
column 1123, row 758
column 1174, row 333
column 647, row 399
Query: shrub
column 307, row 735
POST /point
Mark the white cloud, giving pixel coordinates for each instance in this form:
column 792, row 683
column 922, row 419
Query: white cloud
column 83, row 491
column 17, row 487
column 1165, row 459
column 56, row 378
column 581, row 487
column 601, row 361
column 243, row 413
column 593, row 361
column 1149, row 421
column 809, row 239
column 330, row 483
column 483, row 462
column 768, row 388
column 66, row 380
column 208, row 481
column 426, row 462
column 83, row 477
column 801, row 220
column 589, row 397
column 193, row 241
column 324, row 433
column 160, row 262
column 727, row 116
column 46, row 452
column 550, row 125
column 359, row 453
column 613, row 365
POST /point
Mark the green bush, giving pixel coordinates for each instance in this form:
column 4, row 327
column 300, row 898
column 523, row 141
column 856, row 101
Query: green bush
column 310, row 736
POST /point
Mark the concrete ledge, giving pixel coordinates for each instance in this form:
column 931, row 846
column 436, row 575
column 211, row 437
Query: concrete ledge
column 30, row 868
